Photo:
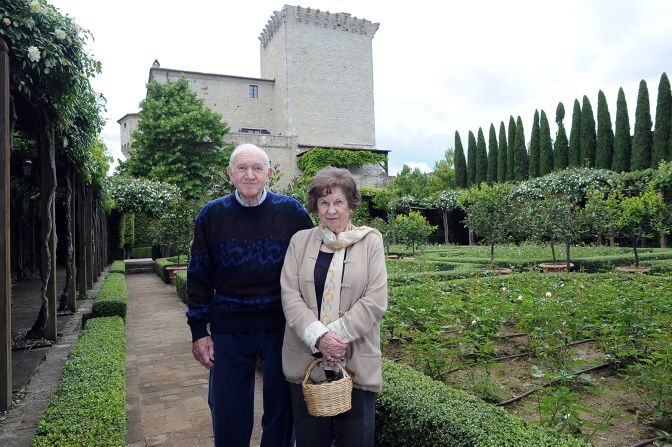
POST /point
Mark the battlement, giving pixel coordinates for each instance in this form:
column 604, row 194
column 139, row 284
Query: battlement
column 340, row 21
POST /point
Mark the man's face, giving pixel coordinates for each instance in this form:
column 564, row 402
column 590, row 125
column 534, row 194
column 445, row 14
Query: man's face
column 249, row 174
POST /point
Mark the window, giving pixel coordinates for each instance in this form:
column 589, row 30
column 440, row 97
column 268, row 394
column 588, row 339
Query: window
column 254, row 91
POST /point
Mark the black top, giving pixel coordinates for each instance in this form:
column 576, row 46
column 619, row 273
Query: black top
column 320, row 276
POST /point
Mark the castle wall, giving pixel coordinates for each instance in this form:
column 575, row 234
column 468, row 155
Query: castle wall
column 127, row 124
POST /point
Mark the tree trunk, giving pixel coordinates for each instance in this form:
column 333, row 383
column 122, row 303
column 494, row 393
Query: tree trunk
column 663, row 237
column 444, row 215
column 568, row 244
column 472, row 238
column 65, row 303
column 634, row 239
column 553, row 252
column 492, row 252
column 47, row 229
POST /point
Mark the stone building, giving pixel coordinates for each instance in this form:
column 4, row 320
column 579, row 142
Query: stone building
column 315, row 90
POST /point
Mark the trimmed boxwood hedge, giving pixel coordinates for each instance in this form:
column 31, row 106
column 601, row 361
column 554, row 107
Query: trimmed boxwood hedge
column 415, row 411
column 112, row 298
column 160, row 265
column 181, row 285
column 118, row 267
column 89, row 405
column 141, row 252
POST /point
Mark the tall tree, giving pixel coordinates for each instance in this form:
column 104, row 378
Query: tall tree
column 588, row 143
column 471, row 159
column 605, row 134
column 561, row 149
column 661, row 134
column 575, row 136
column 511, row 152
column 533, row 161
column 481, row 158
column 493, row 154
column 642, row 141
column 501, row 154
column 521, row 167
column 622, row 139
column 460, row 163
column 545, row 146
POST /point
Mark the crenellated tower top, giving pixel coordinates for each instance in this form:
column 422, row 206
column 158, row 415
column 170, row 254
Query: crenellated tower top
column 340, row 21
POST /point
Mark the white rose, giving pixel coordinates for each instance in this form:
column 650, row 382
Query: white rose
column 33, row 54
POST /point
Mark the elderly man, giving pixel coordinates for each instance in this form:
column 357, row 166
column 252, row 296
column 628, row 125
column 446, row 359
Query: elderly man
column 239, row 246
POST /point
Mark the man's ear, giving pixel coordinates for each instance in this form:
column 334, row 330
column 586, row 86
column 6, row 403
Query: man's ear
column 269, row 174
column 229, row 172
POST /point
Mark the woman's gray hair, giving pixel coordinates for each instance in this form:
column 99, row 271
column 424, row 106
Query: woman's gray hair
column 328, row 178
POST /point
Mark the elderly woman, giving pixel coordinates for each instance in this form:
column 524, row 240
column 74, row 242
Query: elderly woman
column 334, row 294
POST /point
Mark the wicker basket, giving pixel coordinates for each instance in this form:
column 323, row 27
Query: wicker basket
column 330, row 398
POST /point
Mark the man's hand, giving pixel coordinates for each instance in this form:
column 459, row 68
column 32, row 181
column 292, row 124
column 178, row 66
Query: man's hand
column 204, row 351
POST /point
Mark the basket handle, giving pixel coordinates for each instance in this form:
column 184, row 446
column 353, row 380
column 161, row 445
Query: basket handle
column 312, row 365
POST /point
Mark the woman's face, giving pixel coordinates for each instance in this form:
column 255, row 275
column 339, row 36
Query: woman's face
column 333, row 210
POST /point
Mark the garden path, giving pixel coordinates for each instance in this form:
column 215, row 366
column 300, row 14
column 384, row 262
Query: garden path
column 166, row 389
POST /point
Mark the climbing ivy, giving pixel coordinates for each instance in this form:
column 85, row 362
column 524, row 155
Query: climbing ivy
column 318, row 158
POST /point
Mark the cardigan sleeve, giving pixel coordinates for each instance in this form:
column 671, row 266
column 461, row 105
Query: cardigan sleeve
column 201, row 278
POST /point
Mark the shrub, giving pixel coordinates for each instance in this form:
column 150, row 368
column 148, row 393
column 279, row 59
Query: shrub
column 88, row 407
column 118, row 267
column 160, row 265
column 113, row 297
column 181, row 285
column 141, row 252
column 414, row 410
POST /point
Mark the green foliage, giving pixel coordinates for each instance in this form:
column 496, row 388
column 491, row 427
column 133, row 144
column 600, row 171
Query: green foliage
column 136, row 195
column 545, row 146
column 471, row 159
column 511, row 151
column 642, row 140
column 561, row 148
column 127, row 230
column 622, row 138
column 112, row 299
column 175, row 229
column 160, row 265
column 501, row 154
column 520, row 153
column 444, row 172
column 118, row 267
column 181, row 285
column 605, row 134
column 141, row 252
column 89, row 405
column 661, row 137
column 588, row 137
column 414, row 183
column 575, row 137
column 460, row 163
column 481, row 159
column 414, row 410
column 535, row 142
column 318, row 158
column 492, row 155
column 178, row 140
column 412, row 229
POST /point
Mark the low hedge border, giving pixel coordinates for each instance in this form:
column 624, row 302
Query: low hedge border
column 181, row 285
column 89, row 405
column 415, row 411
column 112, row 298
column 160, row 265
column 141, row 252
column 118, row 267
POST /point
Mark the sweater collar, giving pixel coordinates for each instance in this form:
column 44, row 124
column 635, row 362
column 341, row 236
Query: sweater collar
column 242, row 202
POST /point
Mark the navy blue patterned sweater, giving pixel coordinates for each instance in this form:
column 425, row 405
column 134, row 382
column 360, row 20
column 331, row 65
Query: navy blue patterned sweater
column 236, row 259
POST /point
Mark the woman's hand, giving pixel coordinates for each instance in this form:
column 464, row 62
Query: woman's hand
column 332, row 346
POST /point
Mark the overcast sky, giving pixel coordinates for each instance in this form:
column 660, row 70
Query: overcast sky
column 439, row 66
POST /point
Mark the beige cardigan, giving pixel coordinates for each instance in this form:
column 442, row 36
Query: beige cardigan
column 363, row 302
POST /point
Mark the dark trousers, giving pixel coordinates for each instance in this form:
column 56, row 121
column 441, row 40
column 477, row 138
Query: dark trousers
column 354, row 428
column 231, row 393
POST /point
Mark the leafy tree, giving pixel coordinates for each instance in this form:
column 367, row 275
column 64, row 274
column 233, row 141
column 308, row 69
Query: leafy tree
column 178, row 139
column 575, row 137
column 414, row 183
column 481, row 159
column 502, row 154
column 545, row 146
column 142, row 196
column 542, row 220
column 175, row 229
column 587, row 138
column 661, row 135
column 510, row 151
column 386, row 230
column 412, row 229
column 605, row 134
column 642, row 141
column 492, row 155
column 534, row 156
column 460, row 163
column 471, row 159
column 317, row 158
column 622, row 138
column 444, row 173
column 520, row 152
column 561, row 149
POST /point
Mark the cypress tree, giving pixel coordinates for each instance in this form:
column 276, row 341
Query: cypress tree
column 545, row 146
column 493, row 154
column 661, row 134
column 510, row 152
column 588, row 137
column 574, row 159
column 471, row 159
column 520, row 152
column 642, row 140
column 533, row 163
column 501, row 154
column 605, row 134
column 481, row 158
column 561, row 149
column 460, row 163
column 622, row 139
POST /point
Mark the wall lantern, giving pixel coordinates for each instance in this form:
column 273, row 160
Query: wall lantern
column 27, row 167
